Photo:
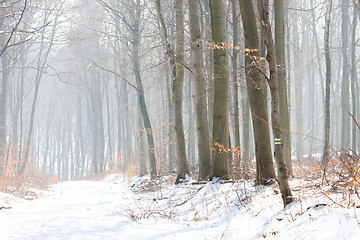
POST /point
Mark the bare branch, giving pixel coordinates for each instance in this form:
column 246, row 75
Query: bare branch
column 110, row 71
column 180, row 63
column 14, row 29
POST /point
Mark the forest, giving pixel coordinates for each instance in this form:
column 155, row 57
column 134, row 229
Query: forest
column 196, row 110
column 209, row 90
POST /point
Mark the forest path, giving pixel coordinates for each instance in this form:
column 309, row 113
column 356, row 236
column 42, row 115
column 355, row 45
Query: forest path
column 101, row 210
column 73, row 210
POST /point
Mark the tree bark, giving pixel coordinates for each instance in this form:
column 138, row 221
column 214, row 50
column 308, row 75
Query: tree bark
column 354, row 78
column 327, row 114
column 235, row 85
column 345, row 106
column 220, row 136
column 200, row 91
column 140, row 91
column 282, row 174
column 264, row 163
column 178, row 83
column 280, row 57
column 4, row 91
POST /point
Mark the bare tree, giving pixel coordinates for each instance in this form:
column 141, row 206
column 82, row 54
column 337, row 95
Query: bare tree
column 327, row 115
column 264, row 164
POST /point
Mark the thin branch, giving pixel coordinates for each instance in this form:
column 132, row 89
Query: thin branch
column 356, row 122
column 261, row 71
column 110, row 71
column 356, row 5
column 14, row 29
column 178, row 62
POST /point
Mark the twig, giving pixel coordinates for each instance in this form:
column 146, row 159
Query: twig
column 180, row 63
column 261, row 71
column 333, row 200
column 110, row 71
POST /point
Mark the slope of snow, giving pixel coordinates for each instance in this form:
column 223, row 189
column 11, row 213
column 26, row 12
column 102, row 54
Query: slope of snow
column 117, row 209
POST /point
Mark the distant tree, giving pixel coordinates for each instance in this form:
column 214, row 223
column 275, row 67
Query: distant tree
column 46, row 46
column 327, row 114
column 234, row 83
column 8, row 27
column 345, row 94
column 354, row 78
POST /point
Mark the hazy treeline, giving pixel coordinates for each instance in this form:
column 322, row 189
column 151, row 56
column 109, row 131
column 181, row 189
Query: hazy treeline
column 75, row 76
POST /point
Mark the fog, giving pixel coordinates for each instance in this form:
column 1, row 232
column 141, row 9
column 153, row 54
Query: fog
column 71, row 97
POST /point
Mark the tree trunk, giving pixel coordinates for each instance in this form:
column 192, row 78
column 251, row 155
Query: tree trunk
column 4, row 91
column 280, row 57
column 264, row 163
column 235, row 86
column 354, row 78
column 168, row 82
column 345, row 107
column 140, row 91
column 197, row 58
column 327, row 115
column 220, row 136
column 39, row 73
column 263, row 6
column 178, row 83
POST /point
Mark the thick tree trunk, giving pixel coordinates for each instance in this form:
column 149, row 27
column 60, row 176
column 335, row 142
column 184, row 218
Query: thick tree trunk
column 220, row 136
column 197, row 58
column 263, row 6
column 280, row 57
column 264, row 163
column 178, row 83
column 209, row 63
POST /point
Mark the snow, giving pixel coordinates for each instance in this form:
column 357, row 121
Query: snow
column 115, row 208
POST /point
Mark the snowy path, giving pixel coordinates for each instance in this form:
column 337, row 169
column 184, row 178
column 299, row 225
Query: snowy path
column 87, row 210
column 82, row 210
column 76, row 210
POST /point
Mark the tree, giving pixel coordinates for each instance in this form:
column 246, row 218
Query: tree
column 200, row 90
column 234, row 83
column 220, row 134
column 41, row 63
column 264, row 164
column 327, row 115
column 354, row 77
column 7, row 31
column 178, row 83
column 170, row 53
column 345, row 106
column 135, row 30
column 280, row 57
column 4, row 86
column 133, row 26
column 282, row 176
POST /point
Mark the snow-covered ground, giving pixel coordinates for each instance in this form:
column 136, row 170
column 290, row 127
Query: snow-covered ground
column 116, row 209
